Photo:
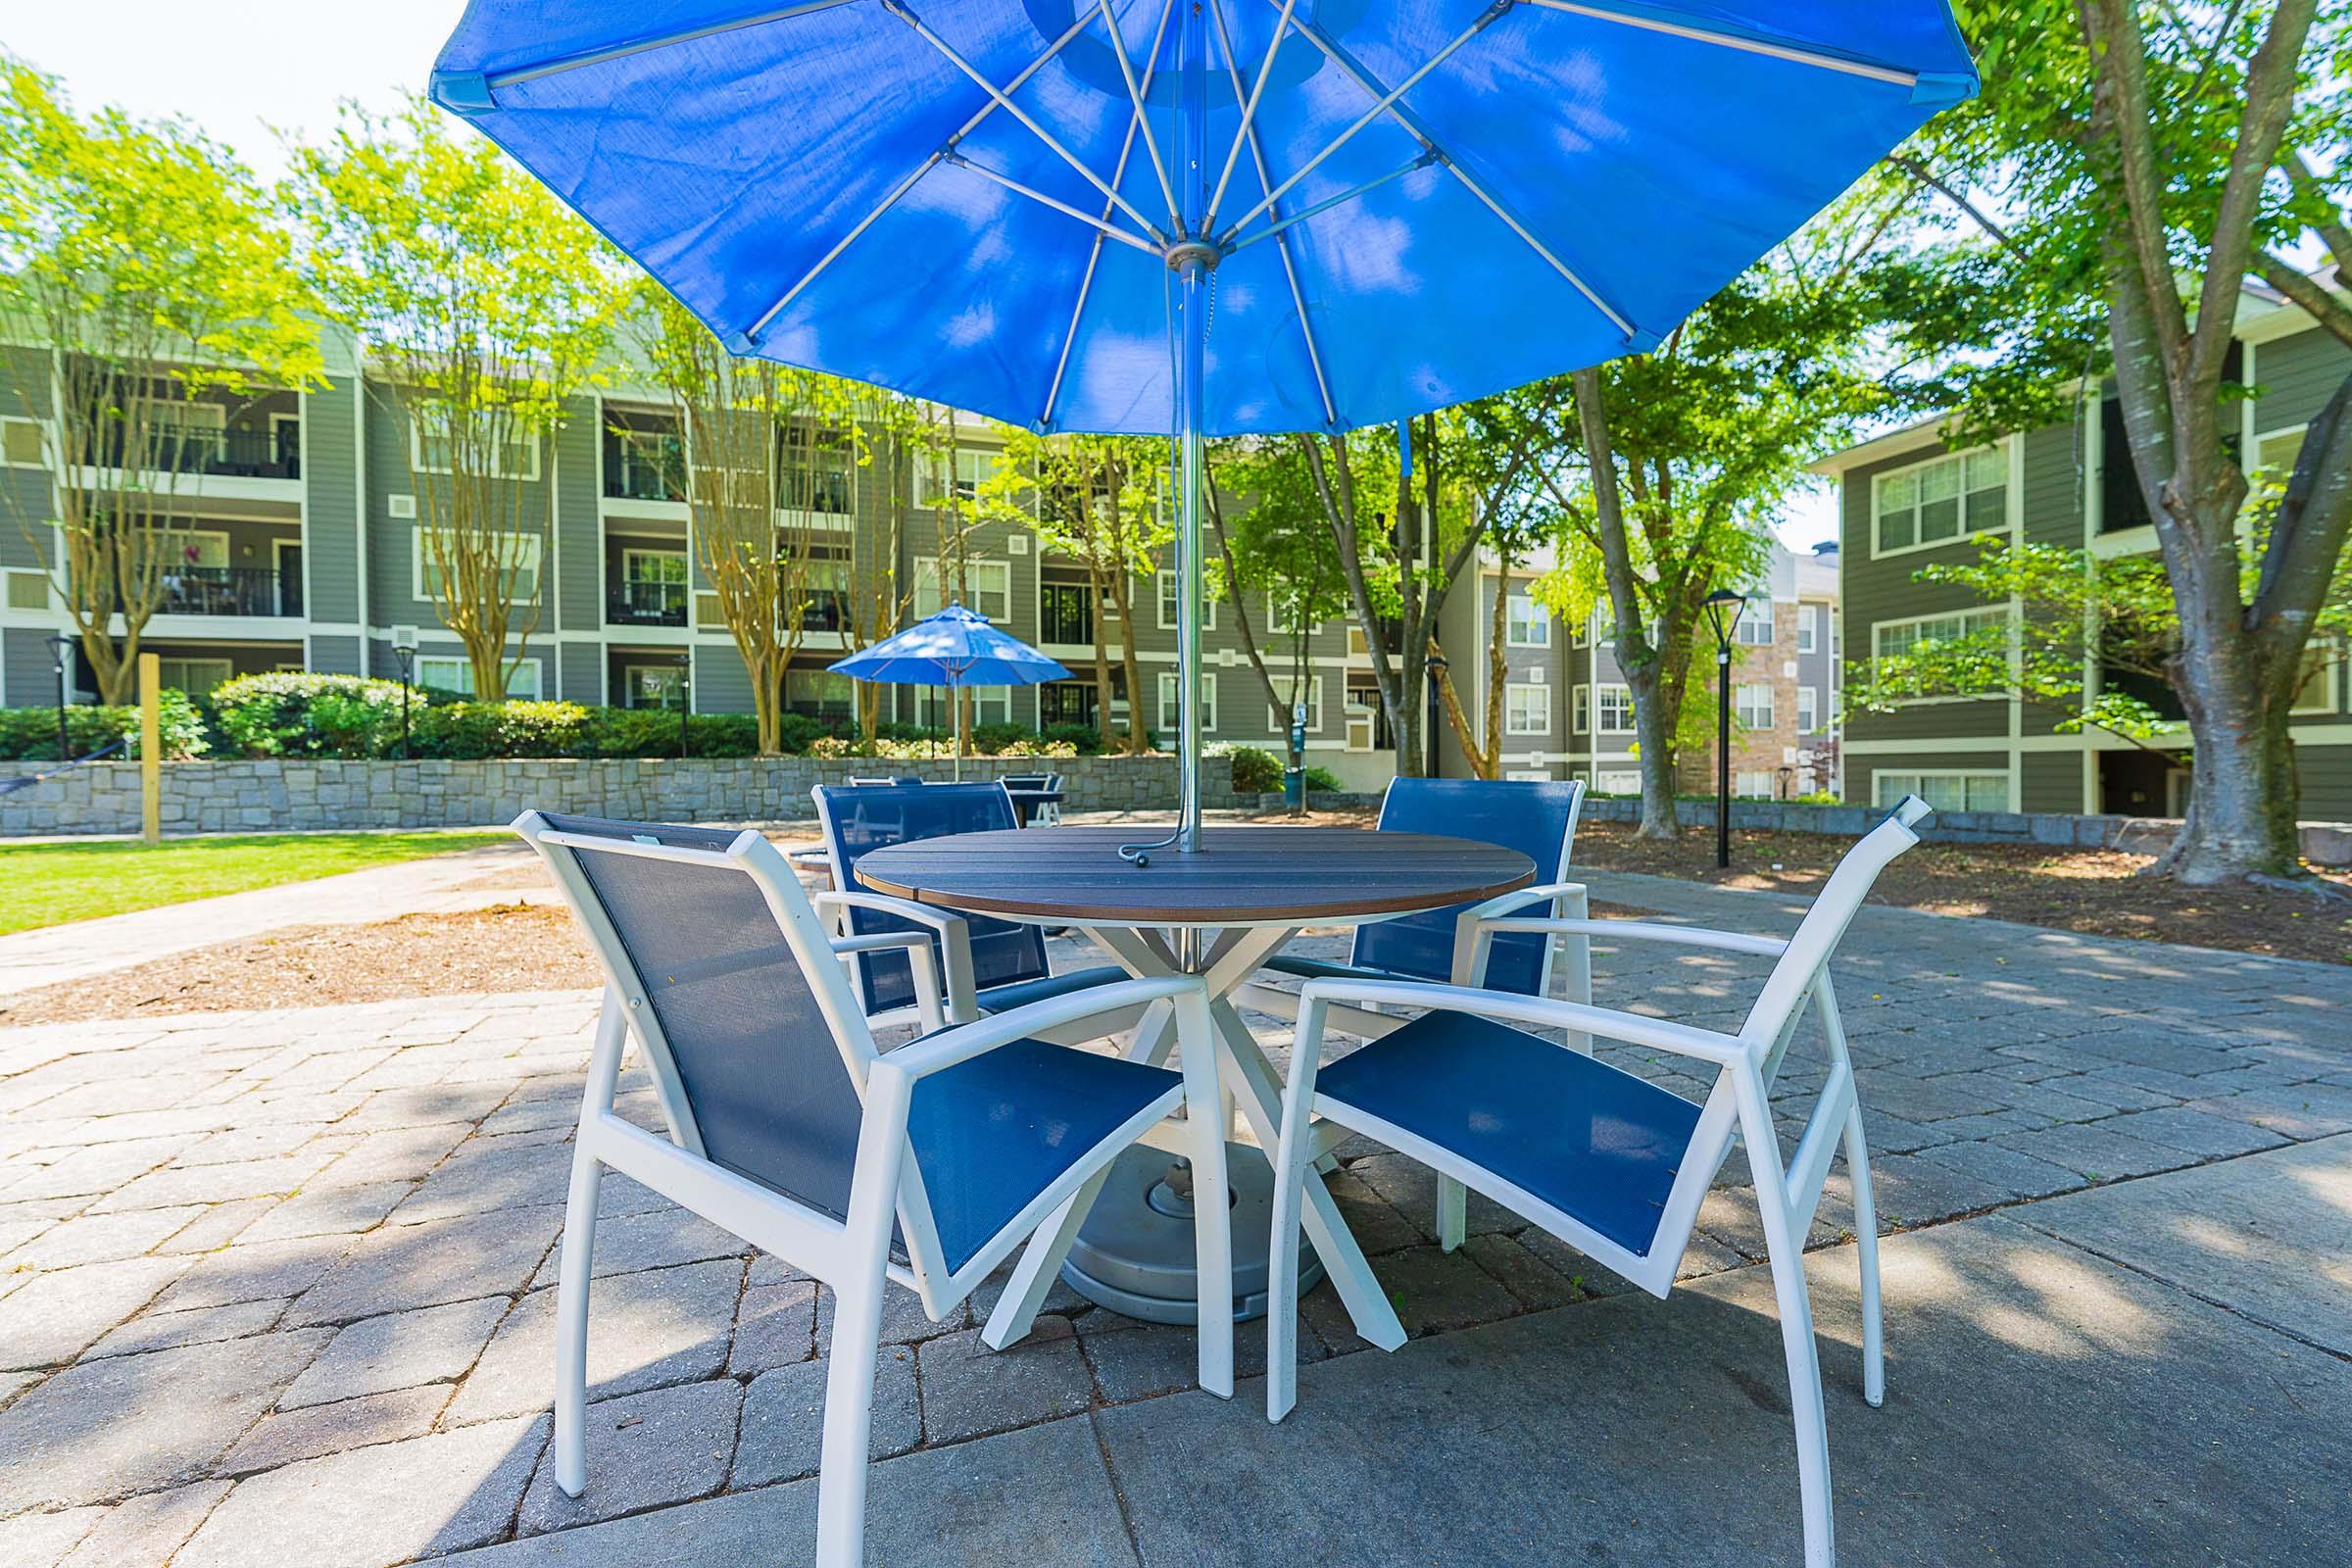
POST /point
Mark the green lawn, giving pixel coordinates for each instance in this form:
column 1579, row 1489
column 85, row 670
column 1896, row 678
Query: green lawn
column 49, row 884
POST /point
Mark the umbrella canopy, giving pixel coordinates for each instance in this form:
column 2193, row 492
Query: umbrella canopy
column 955, row 648
column 1197, row 217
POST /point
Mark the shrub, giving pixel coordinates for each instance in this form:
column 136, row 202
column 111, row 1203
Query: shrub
column 1323, row 778
column 466, row 730
column 295, row 714
column 1083, row 739
column 988, row 740
column 29, row 734
column 1255, row 771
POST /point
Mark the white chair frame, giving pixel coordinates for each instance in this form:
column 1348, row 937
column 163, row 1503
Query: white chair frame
column 1739, row 1104
column 852, row 1255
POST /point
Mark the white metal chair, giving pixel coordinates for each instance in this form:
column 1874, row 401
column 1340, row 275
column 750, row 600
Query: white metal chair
column 1606, row 1161
column 926, row 1166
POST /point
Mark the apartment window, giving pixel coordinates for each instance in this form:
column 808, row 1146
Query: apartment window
column 652, row 686
column 1938, row 501
column 20, row 443
column 989, row 584
column 1752, row 783
column 2314, row 692
column 1944, row 791
column 1617, row 782
column 512, row 454
column 1580, row 708
column 1526, row 709
column 1166, row 583
column 517, row 559
column 820, row 692
column 1755, row 625
column 1808, row 628
column 814, row 473
column 195, row 676
column 1615, row 704
column 1895, row 639
column 1808, row 710
column 1281, row 616
column 1170, row 719
column 1751, row 704
column 960, row 473
column 1279, row 721
column 1527, row 624
column 654, row 582
column 456, row 676
column 2275, row 453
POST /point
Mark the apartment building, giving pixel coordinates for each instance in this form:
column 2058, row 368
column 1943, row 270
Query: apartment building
column 1568, row 711
column 304, row 553
column 1909, row 500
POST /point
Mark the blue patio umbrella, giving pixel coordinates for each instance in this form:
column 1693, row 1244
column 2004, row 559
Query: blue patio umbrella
column 1199, row 217
column 956, row 649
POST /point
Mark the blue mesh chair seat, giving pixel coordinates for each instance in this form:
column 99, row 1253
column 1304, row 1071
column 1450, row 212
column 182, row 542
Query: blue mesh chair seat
column 1593, row 1141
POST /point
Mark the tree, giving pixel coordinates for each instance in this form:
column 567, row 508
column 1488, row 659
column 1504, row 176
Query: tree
column 876, row 590
column 1096, row 498
column 1488, row 468
column 768, row 447
column 143, row 265
column 2151, row 159
column 488, row 304
column 1281, row 546
column 1665, row 468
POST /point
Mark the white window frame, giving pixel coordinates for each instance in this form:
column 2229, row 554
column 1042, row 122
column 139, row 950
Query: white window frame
column 1516, row 696
column 2329, row 678
column 1808, row 628
column 1580, row 708
column 536, row 566
column 228, row 668
column 1808, row 710
column 1618, row 781
column 1752, row 784
column 928, row 590
column 528, row 441
column 630, row 555
column 528, row 669
column 1915, row 474
column 1752, row 713
column 683, row 676
column 1517, row 626
column 2268, row 436
column 1754, row 613
column 1278, row 721
column 1606, row 696
column 1968, row 616
column 1167, row 715
column 1163, row 592
column 972, row 467
column 1278, row 624
column 1918, row 781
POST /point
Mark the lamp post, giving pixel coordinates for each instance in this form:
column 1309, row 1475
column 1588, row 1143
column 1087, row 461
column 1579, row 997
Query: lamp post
column 1723, row 608
column 61, row 651
column 406, row 652
column 1435, row 666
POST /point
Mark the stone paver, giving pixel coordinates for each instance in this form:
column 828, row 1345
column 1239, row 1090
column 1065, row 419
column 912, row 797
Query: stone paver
column 309, row 1255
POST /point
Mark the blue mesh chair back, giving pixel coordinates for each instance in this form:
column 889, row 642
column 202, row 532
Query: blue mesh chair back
column 761, row 1070
column 1532, row 817
column 874, row 816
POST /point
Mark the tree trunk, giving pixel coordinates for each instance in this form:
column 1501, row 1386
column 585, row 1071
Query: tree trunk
column 1139, row 734
column 1103, row 687
column 1636, row 659
column 1498, row 669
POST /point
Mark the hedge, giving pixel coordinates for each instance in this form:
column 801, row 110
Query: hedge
column 29, row 734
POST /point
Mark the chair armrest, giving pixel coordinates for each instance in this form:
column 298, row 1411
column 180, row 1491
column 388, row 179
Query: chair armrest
column 936, row 1052
column 954, row 932
column 1503, row 904
column 1607, row 1023
column 1475, row 927
column 1645, row 931
column 919, row 956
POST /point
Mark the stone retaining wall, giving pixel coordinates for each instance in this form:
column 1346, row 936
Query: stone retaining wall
column 292, row 794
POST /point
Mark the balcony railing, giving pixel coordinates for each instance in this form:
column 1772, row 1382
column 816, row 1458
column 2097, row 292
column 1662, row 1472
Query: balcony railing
column 274, row 454
column 644, row 467
column 229, row 591
column 648, row 604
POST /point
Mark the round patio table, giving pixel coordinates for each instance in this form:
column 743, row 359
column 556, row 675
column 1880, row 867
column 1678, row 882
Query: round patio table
column 1125, row 1240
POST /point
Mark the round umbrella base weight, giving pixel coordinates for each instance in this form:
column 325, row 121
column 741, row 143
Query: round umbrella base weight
column 1135, row 1252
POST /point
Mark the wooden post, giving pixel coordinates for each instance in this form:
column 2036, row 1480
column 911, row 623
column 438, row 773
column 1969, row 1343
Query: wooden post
column 151, row 749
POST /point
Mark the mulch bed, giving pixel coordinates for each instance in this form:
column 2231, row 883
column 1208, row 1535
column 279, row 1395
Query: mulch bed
column 2094, row 892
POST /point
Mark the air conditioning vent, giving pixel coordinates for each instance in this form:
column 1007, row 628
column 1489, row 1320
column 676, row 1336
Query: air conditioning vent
column 1017, row 545
column 403, row 506
column 404, row 636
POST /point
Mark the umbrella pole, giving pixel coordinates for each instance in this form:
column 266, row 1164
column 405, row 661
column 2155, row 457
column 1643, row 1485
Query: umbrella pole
column 1193, row 257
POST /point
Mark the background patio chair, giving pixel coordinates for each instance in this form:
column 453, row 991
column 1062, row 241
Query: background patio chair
column 1606, row 1161
column 1536, row 819
column 926, row 1166
column 988, row 965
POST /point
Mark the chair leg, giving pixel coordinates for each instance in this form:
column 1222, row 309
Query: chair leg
column 1866, row 1247
column 858, row 1321
column 1291, row 1176
column 571, row 1322
column 1212, row 1218
column 1783, row 1244
column 1453, row 1213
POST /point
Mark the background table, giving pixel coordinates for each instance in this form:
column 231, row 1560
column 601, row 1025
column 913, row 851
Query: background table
column 1025, row 802
column 1219, row 913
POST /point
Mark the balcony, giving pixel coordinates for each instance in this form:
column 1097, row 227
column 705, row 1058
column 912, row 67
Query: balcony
column 229, row 591
column 274, row 454
column 645, row 467
column 646, row 604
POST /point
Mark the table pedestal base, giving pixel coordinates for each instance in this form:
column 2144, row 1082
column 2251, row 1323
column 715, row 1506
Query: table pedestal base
column 1135, row 1252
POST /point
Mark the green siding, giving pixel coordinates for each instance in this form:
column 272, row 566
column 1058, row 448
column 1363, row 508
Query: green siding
column 332, row 509
column 2054, row 484
column 2325, row 773
column 337, row 656
column 578, row 548
column 581, row 673
column 26, row 498
column 2297, row 375
column 2050, row 781
column 722, row 685
column 27, row 673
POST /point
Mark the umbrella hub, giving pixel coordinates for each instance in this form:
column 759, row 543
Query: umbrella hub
column 1185, row 255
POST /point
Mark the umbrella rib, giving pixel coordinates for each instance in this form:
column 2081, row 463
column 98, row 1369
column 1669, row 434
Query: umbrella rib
column 1103, row 228
column 1732, row 40
column 898, row 9
column 1290, row 264
column 1118, row 46
column 906, row 184
column 1280, row 223
column 1471, row 183
column 1266, row 69
column 1094, row 257
column 622, row 51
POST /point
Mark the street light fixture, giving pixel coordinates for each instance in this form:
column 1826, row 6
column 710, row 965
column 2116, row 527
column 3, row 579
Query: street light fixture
column 405, row 650
column 1723, row 608
column 1433, row 670
column 61, row 652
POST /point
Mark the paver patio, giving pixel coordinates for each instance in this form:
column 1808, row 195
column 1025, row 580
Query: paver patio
column 275, row 1288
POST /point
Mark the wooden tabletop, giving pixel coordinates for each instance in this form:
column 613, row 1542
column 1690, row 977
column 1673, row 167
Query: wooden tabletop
column 1242, row 876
